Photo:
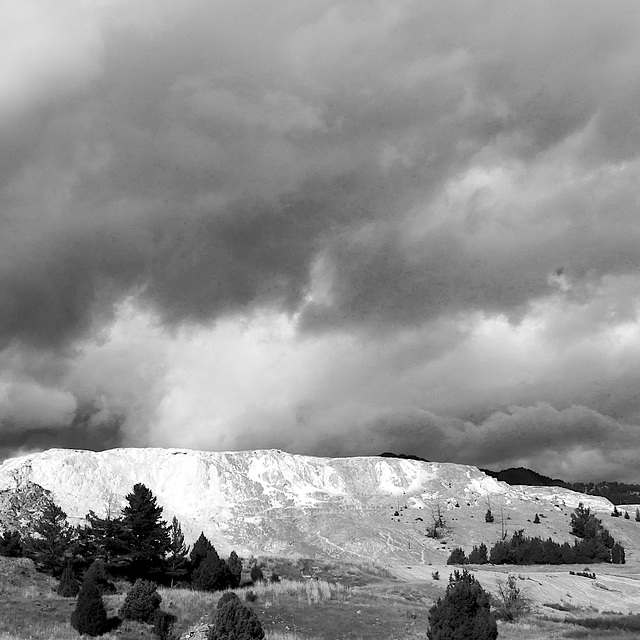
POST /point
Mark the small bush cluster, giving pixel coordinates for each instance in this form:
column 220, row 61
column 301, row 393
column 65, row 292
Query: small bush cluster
column 142, row 602
column 235, row 621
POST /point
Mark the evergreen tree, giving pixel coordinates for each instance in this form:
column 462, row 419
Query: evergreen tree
column 536, row 520
column 200, row 550
column 177, row 561
column 617, row 554
column 637, row 514
column 69, row 585
column 457, row 556
column 97, row 573
column 105, row 538
column 235, row 621
column 51, row 541
column 256, row 574
column 11, row 544
column 142, row 602
column 488, row 517
column 211, row 574
column 615, row 513
column 90, row 616
column 234, row 565
column 626, row 515
column 145, row 534
column 479, row 555
column 464, row 612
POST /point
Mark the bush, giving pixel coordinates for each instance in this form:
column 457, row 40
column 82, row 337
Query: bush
column 11, row 544
column 457, row 556
column 235, row 621
column 511, row 602
column 69, row 585
column 142, row 602
column 228, row 596
column 464, row 612
column 90, row 616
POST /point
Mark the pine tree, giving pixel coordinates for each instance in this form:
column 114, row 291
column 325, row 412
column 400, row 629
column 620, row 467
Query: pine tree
column 145, row 534
column 177, row 561
column 637, row 514
column 479, row 555
column 211, row 574
column 536, row 520
column 199, row 551
column 234, row 565
column 618, row 554
column 626, row 515
column 105, row 538
column 98, row 574
column 235, row 621
column 488, row 517
column 69, row 585
column 51, row 541
column 90, row 615
column 256, row 574
column 457, row 556
column 11, row 544
column 464, row 612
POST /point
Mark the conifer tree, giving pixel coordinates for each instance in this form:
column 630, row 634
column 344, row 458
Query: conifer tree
column 234, row 564
column 235, row 621
column 618, row 554
column 488, row 517
column 626, row 515
column 50, row 543
column 211, row 574
column 457, row 556
column 479, row 555
column 11, row 544
column 256, row 574
column 105, row 538
column 200, row 550
column 637, row 514
column 145, row 533
column 69, row 585
column 464, row 612
column 142, row 602
column 90, row 616
column 178, row 560
column 98, row 574
column 536, row 520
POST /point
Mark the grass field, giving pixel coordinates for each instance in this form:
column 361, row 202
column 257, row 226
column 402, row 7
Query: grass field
column 364, row 605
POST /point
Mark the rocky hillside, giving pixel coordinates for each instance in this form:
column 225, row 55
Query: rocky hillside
column 271, row 502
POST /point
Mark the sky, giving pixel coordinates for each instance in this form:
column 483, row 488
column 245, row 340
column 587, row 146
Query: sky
column 328, row 227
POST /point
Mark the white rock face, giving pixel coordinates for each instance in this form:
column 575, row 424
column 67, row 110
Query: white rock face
column 261, row 502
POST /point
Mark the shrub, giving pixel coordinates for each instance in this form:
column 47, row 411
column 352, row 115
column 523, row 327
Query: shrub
column 11, row 544
column 274, row 577
column 435, row 575
column 251, row 596
column 228, row 596
column 457, row 556
column 464, row 612
column 142, row 602
column 69, row 585
column 90, row 616
column 511, row 602
column 235, row 621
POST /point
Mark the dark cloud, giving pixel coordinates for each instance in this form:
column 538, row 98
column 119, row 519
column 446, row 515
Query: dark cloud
column 441, row 202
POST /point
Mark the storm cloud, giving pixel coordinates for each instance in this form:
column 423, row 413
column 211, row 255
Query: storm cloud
column 330, row 227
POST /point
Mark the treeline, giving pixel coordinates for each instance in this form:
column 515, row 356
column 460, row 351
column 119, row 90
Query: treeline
column 137, row 544
column 594, row 544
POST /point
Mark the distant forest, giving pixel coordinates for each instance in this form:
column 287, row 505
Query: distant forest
column 617, row 492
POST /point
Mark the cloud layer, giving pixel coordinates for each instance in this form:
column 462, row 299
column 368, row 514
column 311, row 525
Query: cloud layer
column 331, row 227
